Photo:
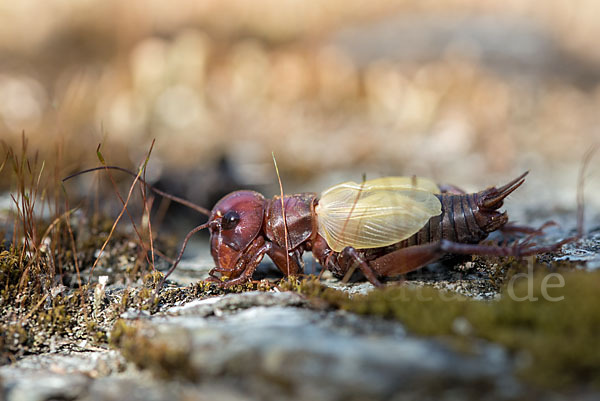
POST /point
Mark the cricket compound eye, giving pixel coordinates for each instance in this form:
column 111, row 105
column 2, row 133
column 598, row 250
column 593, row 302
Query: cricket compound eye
column 229, row 220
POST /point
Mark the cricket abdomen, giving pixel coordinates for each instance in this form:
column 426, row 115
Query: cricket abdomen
column 459, row 222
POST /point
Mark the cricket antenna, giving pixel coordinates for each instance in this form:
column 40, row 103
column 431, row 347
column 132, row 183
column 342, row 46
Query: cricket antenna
column 174, row 198
column 176, row 262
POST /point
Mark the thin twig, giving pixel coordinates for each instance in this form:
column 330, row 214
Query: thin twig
column 72, row 240
column 174, row 198
column 285, row 229
column 114, row 184
column 113, row 227
column 580, row 189
column 353, row 267
column 147, row 211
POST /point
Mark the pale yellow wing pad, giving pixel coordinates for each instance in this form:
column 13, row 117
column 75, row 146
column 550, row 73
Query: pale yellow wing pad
column 413, row 182
column 376, row 213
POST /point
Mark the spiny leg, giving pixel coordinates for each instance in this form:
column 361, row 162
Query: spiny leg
column 408, row 259
column 242, row 266
column 511, row 231
column 281, row 259
column 530, row 231
column 248, row 271
column 362, row 265
column 518, row 250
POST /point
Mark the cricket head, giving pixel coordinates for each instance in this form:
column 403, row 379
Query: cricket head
column 235, row 221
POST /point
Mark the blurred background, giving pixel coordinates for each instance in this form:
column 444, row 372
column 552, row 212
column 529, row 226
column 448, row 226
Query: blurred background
column 466, row 92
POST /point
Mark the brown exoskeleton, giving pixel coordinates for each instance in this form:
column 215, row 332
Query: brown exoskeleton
column 385, row 227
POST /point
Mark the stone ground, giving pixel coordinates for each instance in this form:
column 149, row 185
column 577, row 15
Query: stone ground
column 267, row 346
column 274, row 345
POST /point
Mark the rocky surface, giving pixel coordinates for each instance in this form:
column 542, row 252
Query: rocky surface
column 278, row 345
column 586, row 251
column 265, row 343
column 266, row 346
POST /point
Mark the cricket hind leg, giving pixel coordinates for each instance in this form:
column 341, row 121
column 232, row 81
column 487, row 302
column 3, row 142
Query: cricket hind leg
column 531, row 232
column 407, row 259
column 520, row 249
column 522, row 235
column 411, row 258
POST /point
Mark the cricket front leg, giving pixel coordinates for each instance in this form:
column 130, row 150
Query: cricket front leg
column 246, row 266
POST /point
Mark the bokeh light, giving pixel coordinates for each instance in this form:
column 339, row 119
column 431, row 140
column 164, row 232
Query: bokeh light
column 463, row 91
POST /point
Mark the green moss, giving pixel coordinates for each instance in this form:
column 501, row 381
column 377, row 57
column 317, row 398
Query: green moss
column 31, row 316
column 164, row 360
column 559, row 337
